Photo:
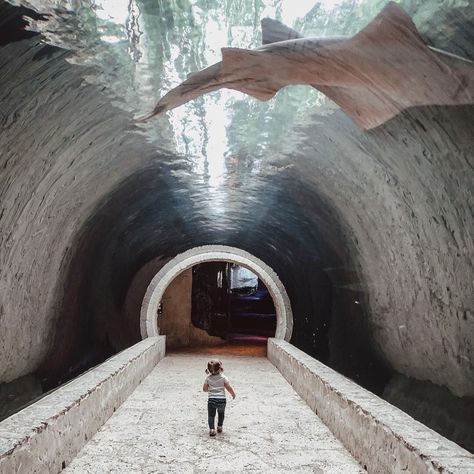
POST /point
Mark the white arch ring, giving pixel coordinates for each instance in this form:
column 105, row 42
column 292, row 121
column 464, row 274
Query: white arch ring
column 215, row 253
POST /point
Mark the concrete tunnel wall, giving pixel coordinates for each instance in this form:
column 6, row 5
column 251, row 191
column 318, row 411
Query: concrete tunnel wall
column 371, row 233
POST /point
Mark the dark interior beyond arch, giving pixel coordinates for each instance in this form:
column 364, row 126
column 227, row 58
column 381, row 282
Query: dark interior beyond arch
column 228, row 300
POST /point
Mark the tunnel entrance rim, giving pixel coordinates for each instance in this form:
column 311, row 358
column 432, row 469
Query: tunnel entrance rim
column 215, row 253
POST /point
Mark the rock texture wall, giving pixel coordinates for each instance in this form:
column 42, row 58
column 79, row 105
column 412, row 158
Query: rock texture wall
column 175, row 321
column 53, row 126
column 407, row 205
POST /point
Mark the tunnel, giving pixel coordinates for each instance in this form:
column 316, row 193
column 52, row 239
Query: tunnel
column 368, row 234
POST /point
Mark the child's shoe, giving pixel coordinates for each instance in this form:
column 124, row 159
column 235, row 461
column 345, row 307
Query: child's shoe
column 212, row 432
column 219, row 429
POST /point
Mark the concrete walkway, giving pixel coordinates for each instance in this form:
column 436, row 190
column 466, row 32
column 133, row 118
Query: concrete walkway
column 162, row 427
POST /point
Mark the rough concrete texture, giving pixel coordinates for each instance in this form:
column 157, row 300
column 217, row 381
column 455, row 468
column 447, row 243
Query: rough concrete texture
column 407, row 204
column 136, row 292
column 162, row 427
column 48, row 434
column 50, row 181
column 381, row 437
column 175, row 322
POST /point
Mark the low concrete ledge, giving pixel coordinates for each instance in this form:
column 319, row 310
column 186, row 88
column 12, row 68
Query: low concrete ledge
column 45, row 436
column 381, row 437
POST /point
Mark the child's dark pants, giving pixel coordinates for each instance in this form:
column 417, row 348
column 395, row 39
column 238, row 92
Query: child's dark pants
column 214, row 404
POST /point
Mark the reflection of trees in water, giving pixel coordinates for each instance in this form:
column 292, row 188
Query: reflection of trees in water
column 184, row 25
column 162, row 41
column 133, row 30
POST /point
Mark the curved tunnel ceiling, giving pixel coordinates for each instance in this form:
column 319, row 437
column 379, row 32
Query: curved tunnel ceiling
column 370, row 232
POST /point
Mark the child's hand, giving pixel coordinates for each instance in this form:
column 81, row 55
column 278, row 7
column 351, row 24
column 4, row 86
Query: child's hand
column 230, row 390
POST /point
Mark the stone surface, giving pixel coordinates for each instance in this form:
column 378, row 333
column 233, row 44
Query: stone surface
column 162, row 427
column 381, row 437
column 175, row 321
column 47, row 434
column 44, row 195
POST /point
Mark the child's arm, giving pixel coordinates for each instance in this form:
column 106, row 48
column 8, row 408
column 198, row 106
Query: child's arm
column 205, row 387
column 229, row 388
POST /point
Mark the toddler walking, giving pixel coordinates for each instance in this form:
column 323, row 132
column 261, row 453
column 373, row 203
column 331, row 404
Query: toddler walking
column 216, row 384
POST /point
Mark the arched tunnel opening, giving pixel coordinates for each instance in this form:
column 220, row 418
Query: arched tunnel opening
column 370, row 232
column 216, row 303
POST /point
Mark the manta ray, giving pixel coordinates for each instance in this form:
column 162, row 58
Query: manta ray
column 372, row 76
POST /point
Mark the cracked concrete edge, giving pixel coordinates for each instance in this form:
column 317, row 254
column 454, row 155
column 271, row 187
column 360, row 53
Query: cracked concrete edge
column 45, row 436
column 381, row 437
column 213, row 253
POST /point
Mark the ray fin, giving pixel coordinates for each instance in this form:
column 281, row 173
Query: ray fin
column 234, row 60
column 274, row 31
column 367, row 109
column 392, row 23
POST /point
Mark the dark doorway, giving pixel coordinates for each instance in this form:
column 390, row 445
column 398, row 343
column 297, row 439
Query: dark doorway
column 229, row 301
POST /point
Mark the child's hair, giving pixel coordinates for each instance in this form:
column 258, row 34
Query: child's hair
column 214, row 367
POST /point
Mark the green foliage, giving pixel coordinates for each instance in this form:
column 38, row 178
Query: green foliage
column 163, row 41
